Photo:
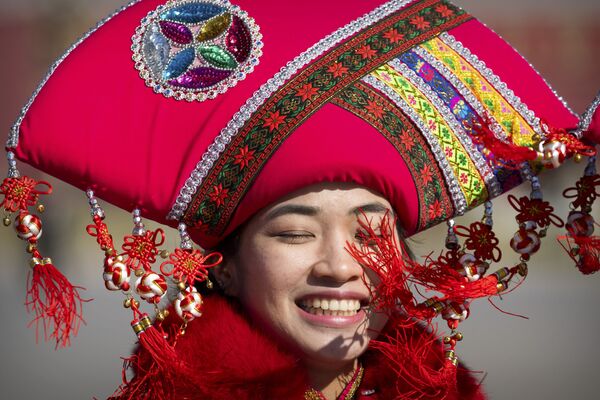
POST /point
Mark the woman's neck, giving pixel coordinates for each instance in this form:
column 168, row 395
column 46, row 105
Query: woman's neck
column 331, row 382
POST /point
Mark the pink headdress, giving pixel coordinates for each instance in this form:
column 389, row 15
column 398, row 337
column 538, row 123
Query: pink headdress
column 198, row 113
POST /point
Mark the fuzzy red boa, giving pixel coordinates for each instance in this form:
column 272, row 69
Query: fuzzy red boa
column 223, row 357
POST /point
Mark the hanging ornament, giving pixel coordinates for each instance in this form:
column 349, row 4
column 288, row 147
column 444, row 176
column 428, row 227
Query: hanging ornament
column 55, row 303
column 189, row 266
column 580, row 242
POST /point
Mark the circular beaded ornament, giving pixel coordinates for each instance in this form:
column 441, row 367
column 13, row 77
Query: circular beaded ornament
column 195, row 50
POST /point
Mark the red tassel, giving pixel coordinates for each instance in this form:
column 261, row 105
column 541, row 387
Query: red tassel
column 150, row 381
column 584, row 251
column 154, row 341
column 418, row 363
column 54, row 300
column 508, row 155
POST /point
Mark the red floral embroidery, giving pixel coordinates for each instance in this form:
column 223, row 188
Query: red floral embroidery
column 444, row 11
column 407, row 139
column 337, row 69
column 244, row 157
column 374, row 108
column 307, row 92
column 219, row 194
column 464, row 178
column 426, row 174
column 366, row 51
column 393, row 36
column 435, row 210
column 420, row 22
column 274, row 120
column 449, row 152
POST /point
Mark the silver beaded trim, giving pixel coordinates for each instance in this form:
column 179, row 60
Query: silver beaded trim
column 186, row 241
column 480, row 163
column 264, row 92
column 467, row 94
column 138, row 225
column 96, row 210
column 13, row 172
column 180, row 93
column 13, row 137
column 586, row 117
column 458, row 197
column 508, row 94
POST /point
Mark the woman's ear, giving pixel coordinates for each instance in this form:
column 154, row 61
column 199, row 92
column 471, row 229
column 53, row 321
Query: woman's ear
column 225, row 274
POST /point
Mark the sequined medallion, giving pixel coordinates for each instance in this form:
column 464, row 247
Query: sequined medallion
column 195, row 50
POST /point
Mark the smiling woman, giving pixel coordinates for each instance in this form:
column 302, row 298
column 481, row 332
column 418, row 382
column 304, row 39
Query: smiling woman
column 289, row 141
column 294, row 275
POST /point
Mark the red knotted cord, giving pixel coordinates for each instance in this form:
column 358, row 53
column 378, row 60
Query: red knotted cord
column 20, row 193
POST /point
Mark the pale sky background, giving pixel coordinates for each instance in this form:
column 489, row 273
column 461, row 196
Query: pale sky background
column 553, row 355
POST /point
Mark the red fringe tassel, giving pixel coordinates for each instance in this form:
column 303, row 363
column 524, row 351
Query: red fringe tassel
column 55, row 302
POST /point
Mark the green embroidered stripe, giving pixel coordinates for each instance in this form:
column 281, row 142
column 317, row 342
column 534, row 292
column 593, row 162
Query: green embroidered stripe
column 435, row 203
column 229, row 179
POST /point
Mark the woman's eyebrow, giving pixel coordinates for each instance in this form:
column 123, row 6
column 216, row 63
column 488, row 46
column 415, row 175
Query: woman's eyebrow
column 293, row 209
column 376, row 207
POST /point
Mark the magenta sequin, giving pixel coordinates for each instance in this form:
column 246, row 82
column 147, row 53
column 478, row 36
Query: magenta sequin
column 200, row 78
column 239, row 41
column 178, row 33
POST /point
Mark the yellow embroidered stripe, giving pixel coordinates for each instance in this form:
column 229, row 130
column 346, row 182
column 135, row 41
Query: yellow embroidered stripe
column 513, row 124
column 463, row 168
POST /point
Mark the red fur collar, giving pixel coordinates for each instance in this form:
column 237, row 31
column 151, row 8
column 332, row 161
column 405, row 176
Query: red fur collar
column 223, row 357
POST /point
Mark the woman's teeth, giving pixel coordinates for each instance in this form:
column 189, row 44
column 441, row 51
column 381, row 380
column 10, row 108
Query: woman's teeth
column 335, row 307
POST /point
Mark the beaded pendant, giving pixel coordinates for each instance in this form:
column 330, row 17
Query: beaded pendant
column 195, row 50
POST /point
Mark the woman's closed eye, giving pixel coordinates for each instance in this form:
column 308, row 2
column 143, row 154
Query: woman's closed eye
column 294, row 237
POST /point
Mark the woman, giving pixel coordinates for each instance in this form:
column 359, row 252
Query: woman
column 290, row 155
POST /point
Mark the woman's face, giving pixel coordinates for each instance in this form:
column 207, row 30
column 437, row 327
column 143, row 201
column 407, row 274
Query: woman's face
column 294, row 276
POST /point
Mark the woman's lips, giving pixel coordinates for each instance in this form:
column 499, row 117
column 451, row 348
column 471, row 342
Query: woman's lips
column 338, row 312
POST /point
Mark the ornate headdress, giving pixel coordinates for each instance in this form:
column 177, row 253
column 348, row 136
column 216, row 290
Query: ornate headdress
column 179, row 113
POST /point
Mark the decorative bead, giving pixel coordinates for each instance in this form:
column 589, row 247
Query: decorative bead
column 127, row 302
column 163, row 254
column 552, row 154
column 455, row 311
column 472, row 268
column 28, row 226
column 580, row 224
column 189, row 304
column 116, row 274
column 151, row 287
column 6, row 221
column 41, row 208
column 525, row 242
column 214, row 27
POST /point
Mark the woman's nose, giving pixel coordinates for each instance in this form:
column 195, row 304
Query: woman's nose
column 335, row 262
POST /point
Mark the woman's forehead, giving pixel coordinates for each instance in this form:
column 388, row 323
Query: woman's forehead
column 327, row 198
